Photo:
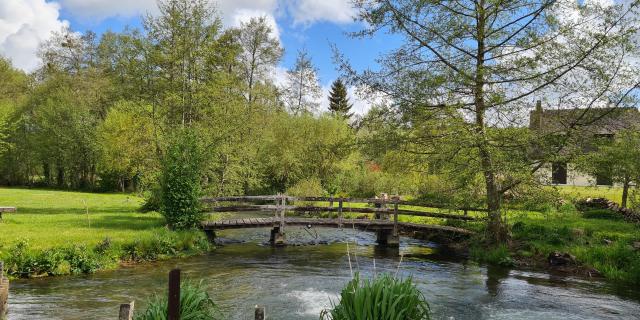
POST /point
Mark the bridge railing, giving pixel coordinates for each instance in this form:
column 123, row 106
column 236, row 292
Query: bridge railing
column 380, row 209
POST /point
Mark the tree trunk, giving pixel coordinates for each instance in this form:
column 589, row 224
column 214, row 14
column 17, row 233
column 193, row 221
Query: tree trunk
column 625, row 191
column 495, row 227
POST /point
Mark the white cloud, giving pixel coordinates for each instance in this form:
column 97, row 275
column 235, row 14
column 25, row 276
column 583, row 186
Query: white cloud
column 24, row 24
column 310, row 11
column 100, row 9
column 244, row 15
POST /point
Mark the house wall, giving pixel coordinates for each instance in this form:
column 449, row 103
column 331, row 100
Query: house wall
column 574, row 177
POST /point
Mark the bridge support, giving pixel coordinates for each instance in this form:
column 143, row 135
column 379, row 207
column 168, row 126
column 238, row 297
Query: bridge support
column 211, row 235
column 387, row 238
column 277, row 237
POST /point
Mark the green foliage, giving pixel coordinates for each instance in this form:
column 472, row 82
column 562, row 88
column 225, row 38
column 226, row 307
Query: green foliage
column 339, row 104
column 307, row 188
column 384, row 297
column 23, row 261
column 499, row 255
column 180, row 181
column 195, row 304
column 617, row 158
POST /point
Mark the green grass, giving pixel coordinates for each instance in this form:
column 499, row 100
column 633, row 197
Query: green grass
column 383, row 297
column 50, row 218
column 598, row 240
column 611, row 193
column 60, row 232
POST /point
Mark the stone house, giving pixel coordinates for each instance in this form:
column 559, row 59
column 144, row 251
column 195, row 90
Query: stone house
column 587, row 125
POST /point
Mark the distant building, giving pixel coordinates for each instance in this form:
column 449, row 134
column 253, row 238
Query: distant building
column 587, row 124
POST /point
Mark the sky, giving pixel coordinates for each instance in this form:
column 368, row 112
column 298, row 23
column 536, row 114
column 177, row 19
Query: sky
column 311, row 24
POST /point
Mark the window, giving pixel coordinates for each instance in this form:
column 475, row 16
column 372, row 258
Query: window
column 559, row 173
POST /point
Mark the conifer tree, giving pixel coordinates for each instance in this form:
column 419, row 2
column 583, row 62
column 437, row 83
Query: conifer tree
column 339, row 104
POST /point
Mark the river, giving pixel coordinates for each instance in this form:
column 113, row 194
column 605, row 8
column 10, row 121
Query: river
column 298, row 281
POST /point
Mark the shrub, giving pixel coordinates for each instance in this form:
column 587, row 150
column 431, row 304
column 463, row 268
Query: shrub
column 311, row 187
column 195, row 304
column 180, row 181
column 496, row 256
column 384, row 297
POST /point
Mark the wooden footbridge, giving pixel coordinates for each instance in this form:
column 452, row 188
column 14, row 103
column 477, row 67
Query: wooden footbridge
column 385, row 225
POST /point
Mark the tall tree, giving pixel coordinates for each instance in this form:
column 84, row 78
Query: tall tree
column 261, row 51
column 468, row 69
column 303, row 90
column 339, row 103
column 181, row 38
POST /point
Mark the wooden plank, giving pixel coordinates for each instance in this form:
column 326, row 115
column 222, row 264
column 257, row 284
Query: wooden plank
column 8, row 209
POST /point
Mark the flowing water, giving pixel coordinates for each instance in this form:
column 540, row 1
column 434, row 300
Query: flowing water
column 298, row 281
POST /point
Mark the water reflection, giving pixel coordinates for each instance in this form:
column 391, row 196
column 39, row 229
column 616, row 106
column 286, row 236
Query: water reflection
column 495, row 276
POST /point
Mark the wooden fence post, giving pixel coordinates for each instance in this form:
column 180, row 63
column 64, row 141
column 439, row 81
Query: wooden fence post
column 173, row 307
column 4, row 292
column 282, row 211
column 126, row 311
column 340, row 203
column 259, row 313
column 395, row 217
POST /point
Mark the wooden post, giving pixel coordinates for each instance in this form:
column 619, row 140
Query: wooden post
column 340, row 211
column 173, row 306
column 395, row 217
column 259, row 314
column 4, row 292
column 331, row 201
column 126, row 311
column 282, row 209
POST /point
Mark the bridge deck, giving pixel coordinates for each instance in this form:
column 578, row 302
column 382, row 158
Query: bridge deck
column 362, row 224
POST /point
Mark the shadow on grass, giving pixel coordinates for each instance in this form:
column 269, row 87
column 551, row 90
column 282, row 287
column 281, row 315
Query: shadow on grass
column 102, row 210
column 127, row 222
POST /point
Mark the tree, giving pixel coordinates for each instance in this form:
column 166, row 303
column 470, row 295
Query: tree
column 180, row 181
column 303, row 90
column 260, row 52
column 339, row 103
column 618, row 159
column 464, row 76
column 126, row 144
column 181, row 38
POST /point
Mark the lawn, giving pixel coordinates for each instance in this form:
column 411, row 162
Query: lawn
column 573, row 192
column 49, row 218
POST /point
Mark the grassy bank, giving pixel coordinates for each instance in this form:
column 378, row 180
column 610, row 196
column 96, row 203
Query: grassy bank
column 59, row 232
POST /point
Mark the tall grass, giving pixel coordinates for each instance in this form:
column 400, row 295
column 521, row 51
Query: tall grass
column 384, row 297
column 195, row 304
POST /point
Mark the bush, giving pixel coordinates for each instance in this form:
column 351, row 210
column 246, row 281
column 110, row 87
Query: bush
column 195, row 304
column 384, row 297
column 497, row 256
column 180, row 181
column 307, row 188
column 21, row 261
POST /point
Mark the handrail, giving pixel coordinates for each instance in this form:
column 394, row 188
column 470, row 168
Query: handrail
column 392, row 200
column 337, row 209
